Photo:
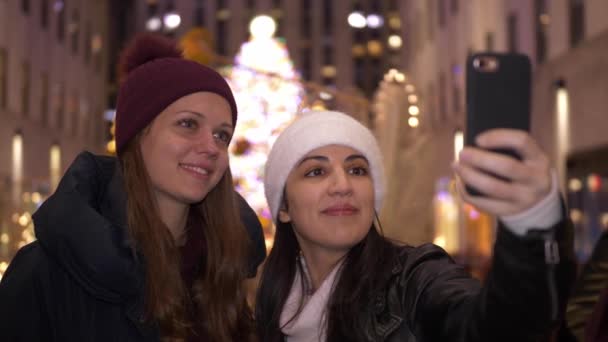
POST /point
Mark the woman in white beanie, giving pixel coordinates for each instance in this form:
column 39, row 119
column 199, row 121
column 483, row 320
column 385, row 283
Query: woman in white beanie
column 332, row 276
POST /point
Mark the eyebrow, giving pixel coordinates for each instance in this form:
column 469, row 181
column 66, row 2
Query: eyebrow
column 227, row 125
column 201, row 115
column 325, row 159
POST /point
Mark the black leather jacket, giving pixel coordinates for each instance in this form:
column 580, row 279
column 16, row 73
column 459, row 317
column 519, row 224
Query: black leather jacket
column 430, row 298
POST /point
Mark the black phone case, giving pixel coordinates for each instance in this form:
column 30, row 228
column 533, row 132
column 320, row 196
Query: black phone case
column 497, row 99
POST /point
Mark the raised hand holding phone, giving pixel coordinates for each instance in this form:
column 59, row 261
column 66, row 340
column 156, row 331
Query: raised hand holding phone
column 521, row 183
column 501, row 170
column 497, row 96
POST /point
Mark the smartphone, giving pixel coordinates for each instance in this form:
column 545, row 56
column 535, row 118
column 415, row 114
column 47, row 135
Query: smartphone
column 497, row 96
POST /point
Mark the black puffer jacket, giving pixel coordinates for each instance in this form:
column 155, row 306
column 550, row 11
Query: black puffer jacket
column 79, row 281
column 426, row 297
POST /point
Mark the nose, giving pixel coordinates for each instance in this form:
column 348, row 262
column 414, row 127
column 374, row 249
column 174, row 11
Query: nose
column 206, row 144
column 340, row 183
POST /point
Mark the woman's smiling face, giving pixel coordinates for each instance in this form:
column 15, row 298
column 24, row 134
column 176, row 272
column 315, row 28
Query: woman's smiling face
column 329, row 199
column 185, row 148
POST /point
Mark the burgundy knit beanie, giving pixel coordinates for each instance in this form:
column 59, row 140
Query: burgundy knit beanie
column 156, row 75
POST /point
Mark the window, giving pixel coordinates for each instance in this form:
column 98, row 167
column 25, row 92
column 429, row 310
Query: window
column 199, row 14
column 44, row 13
column 328, row 70
column 220, row 37
column 327, row 17
column 60, row 106
column 454, row 6
column 441, row 12
column 152, row 9
column 392, row 5
column 55, row 165
column 84, row 117
column 17, row 161
column 442, row 97
column 3, row 77
column 169, row 8
column 75, row 31
column 44, row 98
column 418, row 31
column 248, row 16
column 87, row 42
column 25, row 6
column 456, row 96
column 327, row 53
column 512, row 32
column 250, row 7
column 88, row 131
column 430, row 23
column 375, row 32
column 96, row 50
column 60, row 9
column 306, row 64
column 277, row 10
column 305, row 19
column 221, row 33
column 97, row 60
column 74, row 112
column 489, row 41
column 540, row 18
column 359, row 66
column 358, row 37
column 431, row 105
column 577, row 22
column 25, row 88
column 377, row 73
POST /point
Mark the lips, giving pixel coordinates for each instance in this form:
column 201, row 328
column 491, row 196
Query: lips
column 340, row 210
column 198, row 171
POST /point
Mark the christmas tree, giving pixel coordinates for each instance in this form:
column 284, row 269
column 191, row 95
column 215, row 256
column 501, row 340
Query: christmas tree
column 268, row 93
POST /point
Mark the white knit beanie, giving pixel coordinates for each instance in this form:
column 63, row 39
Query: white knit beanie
column 313, row 130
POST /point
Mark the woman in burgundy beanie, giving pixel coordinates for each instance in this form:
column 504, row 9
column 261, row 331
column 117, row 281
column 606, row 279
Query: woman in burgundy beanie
column 174, row 121
column 156, row 246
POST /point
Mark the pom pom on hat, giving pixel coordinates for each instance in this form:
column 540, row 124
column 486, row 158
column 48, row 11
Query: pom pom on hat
column 313, row 130
column 145, row 48
column 156, row 76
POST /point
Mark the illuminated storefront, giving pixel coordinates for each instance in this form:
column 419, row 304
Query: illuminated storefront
column 587, row 197
column 464, row 232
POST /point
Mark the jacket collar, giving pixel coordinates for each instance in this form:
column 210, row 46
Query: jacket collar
column 113, row 205
column 82, row 226
column 385, row 320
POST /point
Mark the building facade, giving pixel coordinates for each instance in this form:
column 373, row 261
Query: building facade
column 567, row 42
column 325, row 48
column 53, row 68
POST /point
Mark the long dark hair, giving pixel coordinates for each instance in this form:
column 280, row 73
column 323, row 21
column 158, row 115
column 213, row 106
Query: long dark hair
column 217, row 307
column 363, row 271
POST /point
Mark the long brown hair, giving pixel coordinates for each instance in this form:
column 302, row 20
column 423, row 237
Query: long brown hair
column 216, row 306
column 364, row 270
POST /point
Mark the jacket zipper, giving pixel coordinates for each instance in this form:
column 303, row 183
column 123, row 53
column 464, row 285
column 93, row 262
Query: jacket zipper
column 552, row 259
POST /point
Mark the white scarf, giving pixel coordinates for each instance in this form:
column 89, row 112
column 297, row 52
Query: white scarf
column 311, row 324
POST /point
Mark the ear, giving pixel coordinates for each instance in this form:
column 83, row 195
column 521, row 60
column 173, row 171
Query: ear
column 284, row 214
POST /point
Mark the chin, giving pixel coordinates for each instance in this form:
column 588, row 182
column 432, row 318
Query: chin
column 344, row 244
column 193, row 198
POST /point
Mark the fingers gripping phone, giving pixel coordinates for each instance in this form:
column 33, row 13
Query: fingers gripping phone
column 497, row 96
